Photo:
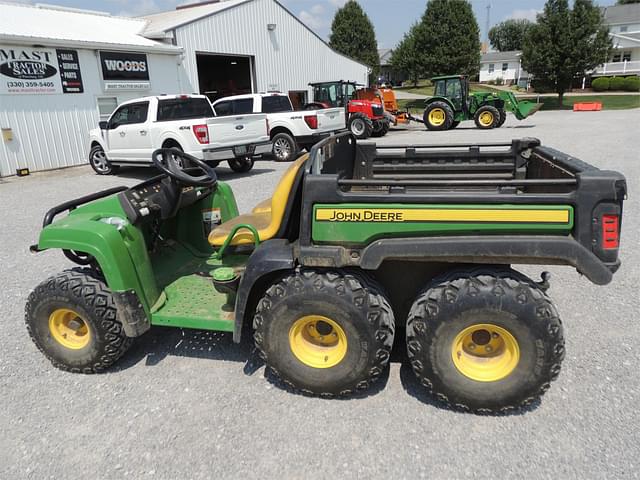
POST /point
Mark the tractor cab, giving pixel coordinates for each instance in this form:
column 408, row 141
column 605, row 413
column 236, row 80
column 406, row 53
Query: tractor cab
column 455, row 88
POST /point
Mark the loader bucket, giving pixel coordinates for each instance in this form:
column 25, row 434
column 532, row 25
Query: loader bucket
column 524, row 109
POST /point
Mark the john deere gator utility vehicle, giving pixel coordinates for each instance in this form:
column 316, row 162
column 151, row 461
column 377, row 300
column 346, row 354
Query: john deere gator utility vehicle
column 452, row 103
column 356, row 241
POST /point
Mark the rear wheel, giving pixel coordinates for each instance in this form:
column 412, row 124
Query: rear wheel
column 241, row 165
column 486, row 340
column 360, row 126
column 285, row 147
column 438, row 116
column 325, row 333
column 72, row 319
column 487, row 117
column 99, row 162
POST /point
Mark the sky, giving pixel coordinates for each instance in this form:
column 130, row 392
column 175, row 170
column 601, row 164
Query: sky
column 390, row 18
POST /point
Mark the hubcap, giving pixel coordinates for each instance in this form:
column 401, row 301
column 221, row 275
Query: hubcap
column 99, row 160
column 357, row 127
column 69, row 329
column 317, row 341
column 282, row 149
column 486, row 119
column 437, row 117
column 485, row 352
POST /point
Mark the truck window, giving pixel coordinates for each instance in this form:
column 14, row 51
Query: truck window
column 223, row 108
column 242, row 106
column 276, row 103
column 129, row 114
column 183, row 109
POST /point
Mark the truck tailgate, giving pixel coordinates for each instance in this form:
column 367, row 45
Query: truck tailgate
column 237, row 130
column 330, row 119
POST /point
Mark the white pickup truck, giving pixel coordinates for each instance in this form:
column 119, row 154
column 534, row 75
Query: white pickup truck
column 290, row 130
column 187, row 122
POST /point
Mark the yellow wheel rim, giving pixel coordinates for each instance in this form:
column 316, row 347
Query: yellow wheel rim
column 69, row 329
column 485, row 352
column 437, row 117
column 318, row 341
column 486, row 119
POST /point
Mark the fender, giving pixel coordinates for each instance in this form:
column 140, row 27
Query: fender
column 271, row 257
column 439, row 99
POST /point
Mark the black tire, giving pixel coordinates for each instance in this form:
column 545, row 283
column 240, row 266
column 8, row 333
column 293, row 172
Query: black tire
column 354, row 302
column 498, row 297
column 503, row 118
column 486, row 117
column 444, row 111
column 360, row 125
column 182, row 162
column 99, row 162
column 380, row 128
column 241, row 165
column 454, row 125
column 285, row 148
column 81, row 291
column 213, row 163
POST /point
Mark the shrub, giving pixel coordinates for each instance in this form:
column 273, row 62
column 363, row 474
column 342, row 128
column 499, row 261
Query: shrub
column 600, row 84
column 499, row 81
column 542, row 86
column 631, row 84
column 616, row 83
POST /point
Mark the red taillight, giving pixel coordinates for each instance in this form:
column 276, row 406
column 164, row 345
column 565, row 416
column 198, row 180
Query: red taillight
column 312, row 121
column 268, row 127
column 202, row 133
column 610, row 231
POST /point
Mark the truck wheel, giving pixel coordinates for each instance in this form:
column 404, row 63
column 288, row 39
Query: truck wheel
column 486, row 340
column 99, row 162
column 325, row 333
column 360, row 126
column 487, row 117
column 503, row 118
column 438, row 116
column 380, row 128
column 72, row 319
column 241, row 165
column 285, row 147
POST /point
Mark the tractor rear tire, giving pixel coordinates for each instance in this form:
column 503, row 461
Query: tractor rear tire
column 285, row 148
column 360, row 126
column 72, row 319
column 438, row 116
column 487, row 340
column 325, row 333
column 503, row 118
column 241, row 165
column 487, row 117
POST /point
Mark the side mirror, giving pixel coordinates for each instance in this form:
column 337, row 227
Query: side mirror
column 103, row 125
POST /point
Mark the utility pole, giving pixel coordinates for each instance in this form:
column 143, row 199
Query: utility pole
column 486, row 27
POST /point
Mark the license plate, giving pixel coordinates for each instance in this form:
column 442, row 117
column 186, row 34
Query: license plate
column 241, row 150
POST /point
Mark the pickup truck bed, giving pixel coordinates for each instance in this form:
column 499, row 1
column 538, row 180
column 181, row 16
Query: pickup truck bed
column 498, row 203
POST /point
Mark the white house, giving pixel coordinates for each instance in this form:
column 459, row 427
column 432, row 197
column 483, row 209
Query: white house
column 624, row 28
column 503, row 66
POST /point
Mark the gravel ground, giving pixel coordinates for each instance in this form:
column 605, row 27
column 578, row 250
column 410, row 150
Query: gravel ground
column 188, row 404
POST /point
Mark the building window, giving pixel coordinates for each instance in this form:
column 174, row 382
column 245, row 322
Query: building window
column 491, row 67
column 626, row 56
column 623, row 28
column 505, row 67
column 616, row 57
column 106, row 106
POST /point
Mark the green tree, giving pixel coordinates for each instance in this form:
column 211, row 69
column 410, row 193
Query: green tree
column 565, row 44
column 352, row 34
column 447, row 39
column 404, row 57
column 509, row 35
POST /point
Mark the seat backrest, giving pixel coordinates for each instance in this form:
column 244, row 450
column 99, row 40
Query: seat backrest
column 283, row 191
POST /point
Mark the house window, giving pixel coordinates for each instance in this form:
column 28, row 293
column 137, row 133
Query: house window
column 505, row 67
column 491, row 67
column 623, row 28
column 626, row 56
column 617, row 57
column 106, row 106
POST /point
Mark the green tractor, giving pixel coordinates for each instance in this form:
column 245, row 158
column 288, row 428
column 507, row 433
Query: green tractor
column 452, row 103
column 356, row 244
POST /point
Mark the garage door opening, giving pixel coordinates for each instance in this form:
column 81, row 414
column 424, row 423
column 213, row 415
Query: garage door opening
column 223, row 75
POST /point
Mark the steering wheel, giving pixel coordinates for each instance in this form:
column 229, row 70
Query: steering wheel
column 166, row 160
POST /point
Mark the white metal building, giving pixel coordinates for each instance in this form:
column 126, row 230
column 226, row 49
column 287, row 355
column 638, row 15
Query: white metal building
column 63, row 70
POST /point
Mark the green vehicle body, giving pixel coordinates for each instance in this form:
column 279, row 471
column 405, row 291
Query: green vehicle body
column 465, row 104
column 169, row 283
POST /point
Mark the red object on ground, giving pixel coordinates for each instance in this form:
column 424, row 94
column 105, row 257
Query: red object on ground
column 587, row 106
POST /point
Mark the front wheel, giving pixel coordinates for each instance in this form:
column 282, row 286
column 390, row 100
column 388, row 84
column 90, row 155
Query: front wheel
column 241, row 165
column 325, row 333
column 487, row 117
column 99, row 162
column 503, row 118
column 486, row 340
column 72, row 319
column 380, row 128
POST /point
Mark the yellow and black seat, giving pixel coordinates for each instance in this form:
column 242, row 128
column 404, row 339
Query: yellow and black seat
column 267, row 217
